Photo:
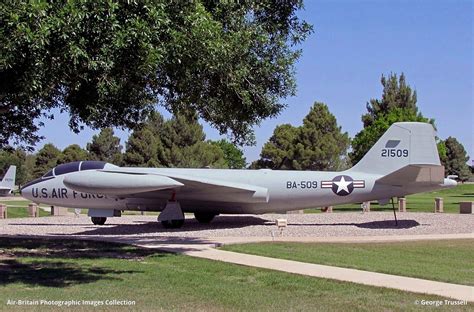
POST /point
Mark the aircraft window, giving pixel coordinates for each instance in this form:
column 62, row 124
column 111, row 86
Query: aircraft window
column 90, row 165
column 66, row 168
column 48, row 174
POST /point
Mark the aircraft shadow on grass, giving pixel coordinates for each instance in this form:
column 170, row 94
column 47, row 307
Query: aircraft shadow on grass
column 47, row 261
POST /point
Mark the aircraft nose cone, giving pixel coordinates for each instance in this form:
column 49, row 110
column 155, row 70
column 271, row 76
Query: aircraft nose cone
column 25, row 192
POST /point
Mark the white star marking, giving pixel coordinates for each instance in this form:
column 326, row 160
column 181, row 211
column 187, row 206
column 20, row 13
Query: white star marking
column 342, row 185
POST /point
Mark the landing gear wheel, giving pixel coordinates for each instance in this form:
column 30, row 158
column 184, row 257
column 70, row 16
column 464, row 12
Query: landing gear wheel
column 98, row 220
column 172, row 224
column 203, row 217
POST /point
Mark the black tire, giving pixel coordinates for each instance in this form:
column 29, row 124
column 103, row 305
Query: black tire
column 99, row 220
column 204, row 217
column 172, row 224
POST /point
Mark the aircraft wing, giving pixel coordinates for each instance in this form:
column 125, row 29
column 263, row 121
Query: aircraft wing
column 123, row 183
column 200, row 188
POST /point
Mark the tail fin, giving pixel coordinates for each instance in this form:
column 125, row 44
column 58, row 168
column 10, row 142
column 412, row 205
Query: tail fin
column 8, row 180
column 403, row 144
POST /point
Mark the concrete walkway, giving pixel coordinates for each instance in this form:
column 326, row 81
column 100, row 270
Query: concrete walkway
column 197, row 244
column 342, row 239
column 206, row 250
column 416, row 285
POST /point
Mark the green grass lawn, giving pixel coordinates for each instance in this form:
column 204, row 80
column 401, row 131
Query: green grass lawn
column 445, row 260
column 423, row 202
column 17, row 212
column 19, row 209
column 78, row 270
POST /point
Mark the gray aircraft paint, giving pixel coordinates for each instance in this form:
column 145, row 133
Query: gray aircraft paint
column 404, row 161
column 8, row 182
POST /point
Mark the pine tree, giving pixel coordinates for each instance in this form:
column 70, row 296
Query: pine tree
column 202, row 155
column 398, row 103
column 46, row 159
column 278, row 152
column 319, row 144
column 177, row 142
column 105, row 147
column 456, row 162
column 396, row 94
column 141, row 149
column 72, row 153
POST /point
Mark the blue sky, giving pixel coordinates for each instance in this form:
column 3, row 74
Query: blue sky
column 353, row 44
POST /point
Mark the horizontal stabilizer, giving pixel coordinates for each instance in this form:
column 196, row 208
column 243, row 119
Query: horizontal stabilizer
column 114, row 183
column 419, row 174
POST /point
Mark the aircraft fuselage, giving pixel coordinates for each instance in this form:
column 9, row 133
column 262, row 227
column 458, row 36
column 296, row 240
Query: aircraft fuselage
column 287, row 190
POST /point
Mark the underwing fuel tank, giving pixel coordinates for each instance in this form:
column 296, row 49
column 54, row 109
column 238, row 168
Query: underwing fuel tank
column 115, row 183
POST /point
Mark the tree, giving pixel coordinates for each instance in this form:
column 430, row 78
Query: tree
column 456, row 162
column 233, row 156
column 141, row 149
column 396, row 94
column 72, row 153
column 108, row 63
column 202, row 155
column 278, row 152
column 46, row 159
column 105, row 147
column 318, row 144
column 175, row 134
column 398, row 103
column 177, row 142
column 16, row 157
column 321, row 144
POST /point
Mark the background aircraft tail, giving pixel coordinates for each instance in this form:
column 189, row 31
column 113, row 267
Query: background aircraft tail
column 8, row 180
column 403, row 144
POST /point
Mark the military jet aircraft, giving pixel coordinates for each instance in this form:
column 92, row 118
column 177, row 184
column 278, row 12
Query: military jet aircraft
column 8, row 182
column 404, row 161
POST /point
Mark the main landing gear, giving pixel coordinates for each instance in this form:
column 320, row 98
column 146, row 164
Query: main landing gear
column 204, row 217
column 172, row 224
column 172, row 217
column 98, row 220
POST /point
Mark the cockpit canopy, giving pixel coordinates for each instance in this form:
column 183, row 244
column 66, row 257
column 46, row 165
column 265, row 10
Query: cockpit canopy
column 75, row 166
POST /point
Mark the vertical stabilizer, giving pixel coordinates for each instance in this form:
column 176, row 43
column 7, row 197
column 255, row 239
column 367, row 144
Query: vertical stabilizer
column 8, row 180
column 403, row 144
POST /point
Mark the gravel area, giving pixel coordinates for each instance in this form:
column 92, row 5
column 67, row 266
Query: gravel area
column 299, row 225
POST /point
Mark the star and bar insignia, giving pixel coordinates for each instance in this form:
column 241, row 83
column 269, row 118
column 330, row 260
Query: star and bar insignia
column 343, row 185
